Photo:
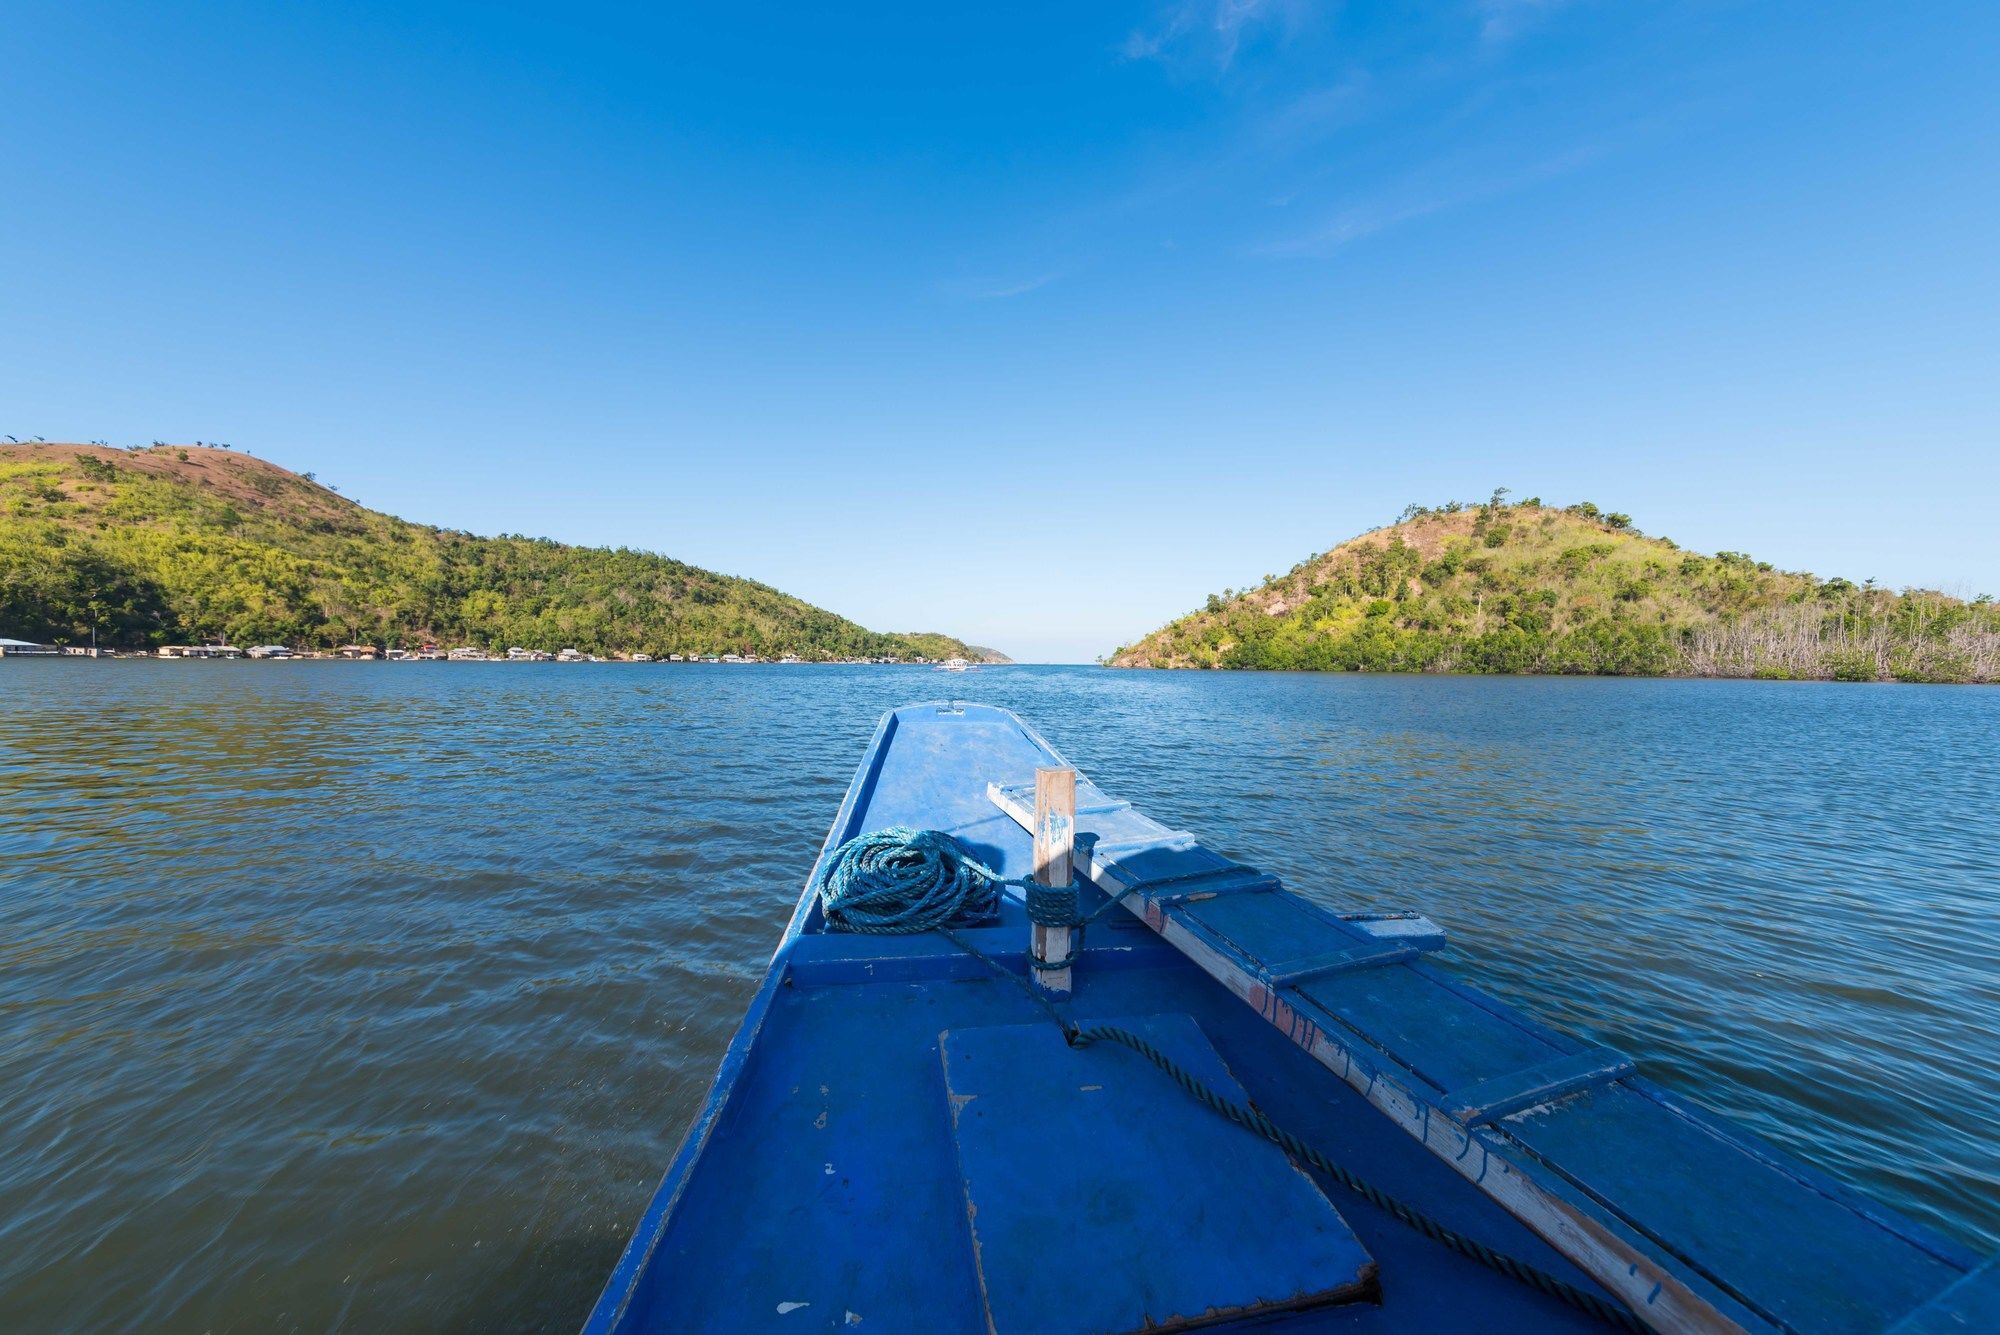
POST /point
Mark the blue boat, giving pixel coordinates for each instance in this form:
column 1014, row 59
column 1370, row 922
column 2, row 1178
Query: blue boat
column 1231, row 1107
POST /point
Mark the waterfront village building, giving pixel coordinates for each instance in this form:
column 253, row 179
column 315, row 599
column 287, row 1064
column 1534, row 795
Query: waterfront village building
column 25, row 649
column 359, row 651
column 200, row 651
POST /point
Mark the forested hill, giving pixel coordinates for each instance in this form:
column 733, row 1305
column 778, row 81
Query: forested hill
column 1531, row 588
column 179, row 544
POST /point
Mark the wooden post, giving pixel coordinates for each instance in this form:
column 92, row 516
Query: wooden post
column 1055, row 831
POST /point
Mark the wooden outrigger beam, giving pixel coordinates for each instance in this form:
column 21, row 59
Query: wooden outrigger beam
column 1695, row 1226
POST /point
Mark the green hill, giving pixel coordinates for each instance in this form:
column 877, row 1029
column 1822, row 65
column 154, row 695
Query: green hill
column 173, row 545
column 1531, row 588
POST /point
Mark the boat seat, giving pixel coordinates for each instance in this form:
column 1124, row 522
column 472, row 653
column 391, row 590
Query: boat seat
column 1360, row 955
column 1504, row 1095
column 1079, row 1167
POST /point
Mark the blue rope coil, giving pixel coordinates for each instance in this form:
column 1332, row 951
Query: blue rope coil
column 902, row 880
column 899, row 880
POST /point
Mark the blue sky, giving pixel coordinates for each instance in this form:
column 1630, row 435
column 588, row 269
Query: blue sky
column 873, row 305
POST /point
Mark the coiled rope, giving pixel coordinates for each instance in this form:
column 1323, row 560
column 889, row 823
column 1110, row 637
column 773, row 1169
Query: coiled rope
column 903, row 880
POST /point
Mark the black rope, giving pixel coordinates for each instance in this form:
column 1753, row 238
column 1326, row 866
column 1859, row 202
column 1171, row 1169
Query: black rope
column 1583, row 1300
column 1541, row 1281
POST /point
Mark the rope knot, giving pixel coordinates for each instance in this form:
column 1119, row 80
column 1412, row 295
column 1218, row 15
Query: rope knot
column 1052, row 905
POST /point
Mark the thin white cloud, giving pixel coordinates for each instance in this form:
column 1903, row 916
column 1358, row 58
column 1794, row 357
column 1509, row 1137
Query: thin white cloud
column 1353, row 222
column 999, row 289
column 1312, row 114
column 1208, row 32
column 1298, row 96
column 1501, row 21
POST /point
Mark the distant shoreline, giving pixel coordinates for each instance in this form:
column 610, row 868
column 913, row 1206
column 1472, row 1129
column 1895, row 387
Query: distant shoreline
column 1474, row 674
column 151, row 656
column 232, row 654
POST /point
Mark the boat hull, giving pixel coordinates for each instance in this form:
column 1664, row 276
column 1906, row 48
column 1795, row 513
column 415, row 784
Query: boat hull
column 826, row 1182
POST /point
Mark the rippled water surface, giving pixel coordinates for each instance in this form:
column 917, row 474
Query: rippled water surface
column 378, row 995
